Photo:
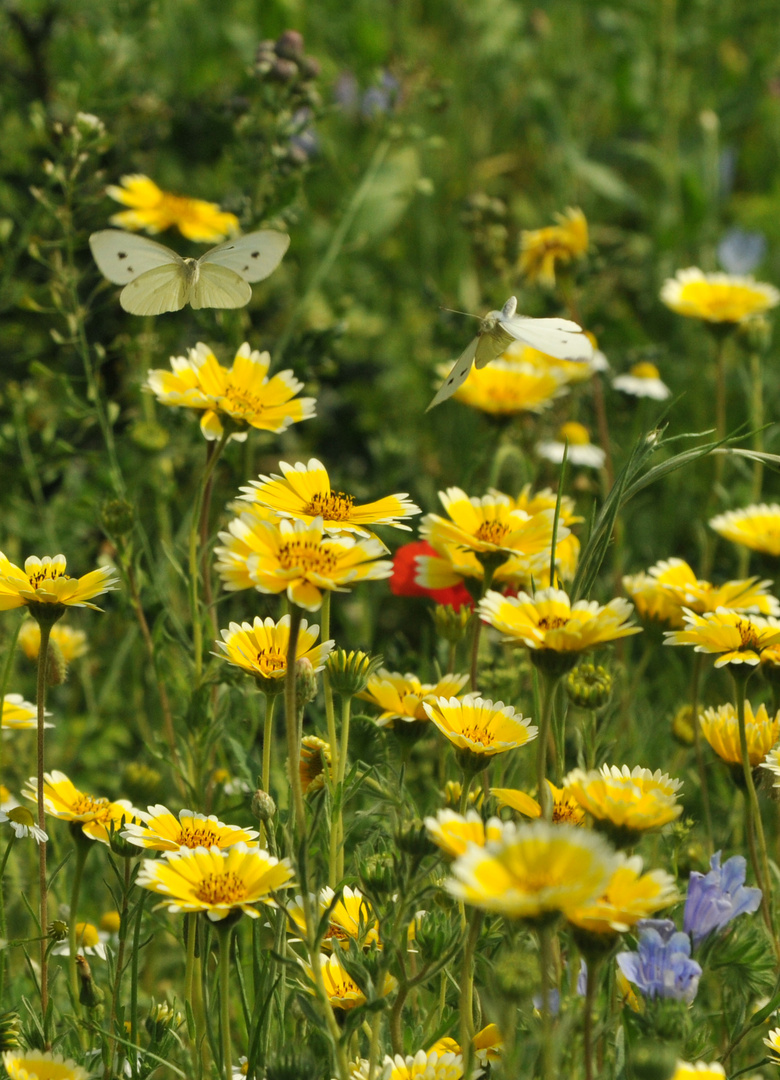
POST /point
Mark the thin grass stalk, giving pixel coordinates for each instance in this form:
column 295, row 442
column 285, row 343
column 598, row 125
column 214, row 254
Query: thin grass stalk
column 545, row 963
column 196, row 528
column 134, row 979
column 298, row 810
column 268, row 736
column 224, row 933
column 699, row 750
column 120, row 963
column 346, row 713
column 467, row 991
column 587, row 1019
column 548, row 687
column 82, row 850
column 43, row 658
column 7, row 669
column 3, row 927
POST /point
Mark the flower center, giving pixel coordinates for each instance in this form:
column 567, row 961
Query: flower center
column 46, row 573
column 478, row 734
column 226, row 888
column 551, row 622
column 492, row 532
column 645, row 370
column 241, row 403
column 567, row 812
column 86, row 935
column 85, row 805
column 331, row 505
column 269, row 660
column 748, row 636
column 576, row 434
column 307, row 556
column 192, row 836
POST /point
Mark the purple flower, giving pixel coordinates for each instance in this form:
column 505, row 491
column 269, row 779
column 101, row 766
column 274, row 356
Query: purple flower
column 714, row 899
column 662, row 966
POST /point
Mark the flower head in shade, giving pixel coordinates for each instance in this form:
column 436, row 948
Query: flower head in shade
column 350, row 917
column 534, row 871
column 260, row 648
column 715, row 899
column 505, row 388
column 720, row 727
column 160, row 830
column 582, row 452
column 303, row 491
column 63, row 800
column 541, row 249
column 626, row 800
column 297, row 558
column 772, row 1041
column 44, row 582
column 155, row 210
column 342, row 990
column 403, row 697
column 662, row 966
column 403, row 581
column 242, row 394
column 214, row 881
column 642, row 380
column 739, row 638
column 629, row 896
column 652, row 600
column 565, row 808
column 489, row 525
column 23, row 823
column 699, row 1071
column 314, row 760
column 452, row 833
column 89, row 942
column 756, row 527
column 71, row 643
column 480, row 726
column 37, row 1065
column 424, row 1065
column 717, row 297
column 18, row 714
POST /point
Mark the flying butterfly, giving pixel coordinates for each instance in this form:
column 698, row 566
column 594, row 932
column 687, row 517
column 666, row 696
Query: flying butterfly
column 560, row 338
column 156, row 279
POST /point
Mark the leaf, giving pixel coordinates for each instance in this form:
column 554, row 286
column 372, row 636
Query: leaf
column 386, row 201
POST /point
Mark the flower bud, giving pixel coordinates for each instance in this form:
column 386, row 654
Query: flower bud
column 263, row 806
column 682, row 726
column 289, row 45
column 314, row 759
column 349, row 672
column 90, row 994
column 653, row 1061
column 305, row 682
column 412, row 838
column 161, row 1019
column 10, row 1030
column 588, row 686
column 58, row 930
column 451, row 623
column 292, row 1063
column 377, row 874
column 117, row 517
column 56, row 665
column 434, row 935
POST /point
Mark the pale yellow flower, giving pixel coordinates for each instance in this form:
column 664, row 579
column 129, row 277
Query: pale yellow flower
column 642, row 380
column 163, row 831
column 773, row 1042
column 20, row 715
column 490, row 525
column 430, row 1065
column 350, row 918
column 38, row 1065
column 480, row 726
column 756, row 527
column 403, row 697
column 342, row 990
column 504, row 389
column 700, row 1070
column 565, row 808
column 635, row 800
column 739, row 638
column 581, row 450
column 629, row 896
column 155, row 210
column 541, row 249
column 63, row 800
column 44, row 581
column 260, row 648
column 71, row 643
column 315, row 758
column 720, row 728
column 717, row 297
column 453, row 833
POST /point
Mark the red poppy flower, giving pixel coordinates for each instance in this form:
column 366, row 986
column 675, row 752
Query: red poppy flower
column 402, row 581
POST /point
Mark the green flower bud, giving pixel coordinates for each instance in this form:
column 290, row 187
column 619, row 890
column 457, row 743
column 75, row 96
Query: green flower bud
column 117, row 517
column 162, row 1018
column 653, row 1061
column 377, row 874
column 57, row 930
column 412, row 838
column 56, row 665
column 149, row 435
column 263, row 807
column 588, row 686
column 516, row 975
column 305, row 682
column 10, row 1030
column 451, row 624
column 434, row 935
column 292, row 1063
column 552, row 662
column 349, row 672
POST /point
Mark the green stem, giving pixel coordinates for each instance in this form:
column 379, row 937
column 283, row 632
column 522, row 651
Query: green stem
column 139, row 911
column 224, row 998
column 298, row 813
column 545, row 963
column 214, row 453
column 9, row 662
column 467, row 991
column 544, row 795
column 120, row 963
column 268, row 738
column 490, row 562
column 82, row 850
column 587, row 1020
column 190, row 929
column 43, row 657
column 346, row 712
column 699, row 749
column 2, row 914
column 757, row 421
column 468, row 777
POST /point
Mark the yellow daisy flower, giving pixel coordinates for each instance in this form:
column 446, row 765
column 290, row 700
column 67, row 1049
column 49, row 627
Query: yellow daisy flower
column 20, row 715
column 701, row 1070
column 110, row 922
column 652, row 600
column 581, row 450
column 304, row 492
column 299, row 559
column 565, row 808
column 71, row 643
column 214, row 881
column 156, row 210
column 540, row 249
column 315, row 758
column 772, row 1041
column 643, row 380
column 567, row 549
column 721, row 730
column 717, row 297
column 44, row 582
column 756, row 527
column 403, row 697
column 430, row 1065
column 260, row 648
column 534, row 871
column 342, row 990
column 480, row 726
column 740, row 638
column 453, row 833
column 504, row 389
column 242, row 393
column 490, row 525
column 350, row 918
column 629, row 896
column 746, row 594
column 89, row 942
column 37, row 1065
column 163, row 831
column 567, row 372
column 63, row 800
column 635, row 800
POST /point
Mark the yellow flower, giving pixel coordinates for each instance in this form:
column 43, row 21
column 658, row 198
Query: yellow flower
column 652, row 600
column 44, row 581
column 214, row 881
column 772, row 1041
column 315, row 758
column 721, row 730
column 756, row 527
column 243, row 393
column 156, row 210
column 63, row 800
column 480, row 726
column 534, row 871
column 643, row 380
column 565, row 371
column 549, row 621
column 20, row 715
column 490, row 525
column 163, row 831
column 629, row 896
column 453, row 789
column 299, row 559
column 717, row 297
column 260, row 648
column 72, row 643
column 635, row 800
column 37, row 1065
column 540, row 249
column 304, row 492
column 565, row 808
column 89, row 942
column 402, row 697
column 746, row 594
column 567, row 548
column 503, row 389
column 424, row 1066
column 350, row 918
column 110, row 921
column 700, row 1070
column 740, row 639
column 342, row 990
column 453, row 833
column 581, row 449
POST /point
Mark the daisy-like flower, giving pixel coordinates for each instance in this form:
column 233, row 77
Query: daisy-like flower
column 63, row 800
column 534, row 871
column 756, row 527
column 71, row 643
column 403, row 697
column 717, row 298
column 567, row 549
column 540, row 249
column 629, row 896
column 155, row 210
column 581, row 450
column 350, row 918
column 243, row 394
column 739, row 638
column 452, row 833
column 566, row 371
column 626, row 801
column 342, row 990
column 298, row 558
column 260, row 648
column 565, row 808
column 772, row 1041
column 643, row 380
column 490, row 525
column 652, row 600
column 216, row 881
column 304, row 492
column 505, row 388
column 7, row 801
column 699, row 1071
column 479, row 726
column 89, row 942
column 720, row 728
column 160, row 830
column 44, row 582
column 430, row 1065
column 20, row 715
column 37, row 1065
column 23, row 823
column 315, row 758
column 487, row 1045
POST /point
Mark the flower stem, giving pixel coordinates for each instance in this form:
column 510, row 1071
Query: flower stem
column 43, row 657
column 346, row 713
column 120, row 963
column 224, row 935
column 587, row 1020
column 196, row 529
column 298, row 810
column 268, row 737
column 544, row 795
column 78, row 871
column 545, row 963
column 9, row 661
column 467, row 990
column 699, row 750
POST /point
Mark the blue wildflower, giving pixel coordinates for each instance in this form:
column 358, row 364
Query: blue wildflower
column 714, row 899
column 662, row 967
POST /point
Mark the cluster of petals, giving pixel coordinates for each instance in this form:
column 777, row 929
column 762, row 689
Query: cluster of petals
column 155, row 210
column 341, row 989
column 720, row 727
column 315, row 757
column 350, row 917
column 635, row 799
column 756, row 527
column 738, row 637
column 22, row 822
column 160, row 830
column 41, row 1065
column 489, row 525
column 717, row 297
column 260, row 648
column 662, row 966
column 18, row 714
column 479, row 725
column 548, row 620
column 403, row 581
column 44, row 581
column 403, row 697
column 63, row 800
column 565, row 808
column 541, row 249
column 718, row 897
column 629, row 896
column 773, row 1042
column 424, row 1065
column 487, row 1045
column 699, row 1070
column 453, row 833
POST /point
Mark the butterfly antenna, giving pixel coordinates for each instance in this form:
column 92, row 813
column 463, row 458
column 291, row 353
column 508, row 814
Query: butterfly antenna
column 456, row 311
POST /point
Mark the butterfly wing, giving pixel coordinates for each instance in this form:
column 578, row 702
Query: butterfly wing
column 164, row 288
column 122, row 256
column 219, row 287
column 458, row 375
column 253, row 257
column 560, row 338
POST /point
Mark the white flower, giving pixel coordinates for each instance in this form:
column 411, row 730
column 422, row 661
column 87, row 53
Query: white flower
column 643, row 380
column 581, row 449
column 22, row 822
column 89, row 941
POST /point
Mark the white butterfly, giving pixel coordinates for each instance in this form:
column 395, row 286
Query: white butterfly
column 156, row 279
column 560, row 338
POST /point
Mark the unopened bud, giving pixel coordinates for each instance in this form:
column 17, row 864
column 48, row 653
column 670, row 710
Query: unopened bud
column 283, row 70
column 412, row 838
column 10, row 1030
column 682, row 726
column 451, row 624
column 141, row 782
column 349, row 672
column 58, row 930
column 289, row 45
column 161, row 1019
column 56, row 665
column 305, row 682
column 263, row 807
column 377, row 874
column 588, row 686
column 90, row 994
column 653, row 1061
column 117, row 517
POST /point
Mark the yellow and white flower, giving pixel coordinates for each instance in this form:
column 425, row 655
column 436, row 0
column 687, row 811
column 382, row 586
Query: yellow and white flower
column 453, row 833
column 342, row 990
column 643, row 380
column 489, row 525
column 636, row 800
column 44, row 581
column 480, row 726
column 541, row 249
column 738, row 637
column 581, row 450
column 20, row 715
column 565, row 808
column 504, row 388
column 424, row 1065
column 720, row 728
column 89, row 942
column 22, row 822
column 403, row 697
column 350, row 918
column 72, row 643
column 260, row 648
column 717, row 297
column 39, row 1065
column 756, row 527
column 155, row 210
column 629, row 896
column 160, row 830
column 700, row 1070
column 63, row 800
column 773, row 1042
